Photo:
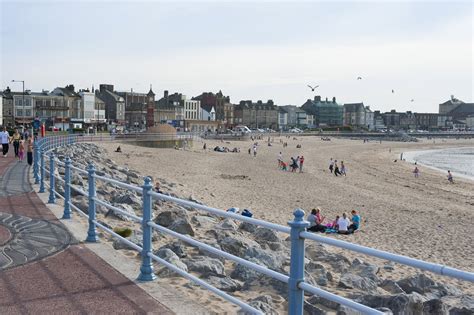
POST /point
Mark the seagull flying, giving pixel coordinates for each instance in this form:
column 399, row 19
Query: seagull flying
column 359, row 78
column 412, row 100
column 313, row 88
column 393, row 91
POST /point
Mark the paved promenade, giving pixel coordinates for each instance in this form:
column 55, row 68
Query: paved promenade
column 44, row 270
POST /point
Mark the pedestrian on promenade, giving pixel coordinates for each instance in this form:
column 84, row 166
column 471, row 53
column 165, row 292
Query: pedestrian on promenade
column 21, row 151
column 5, row 138
column 16, row 142
column 29, row 150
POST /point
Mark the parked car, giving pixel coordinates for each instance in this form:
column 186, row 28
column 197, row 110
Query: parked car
column 296, row 130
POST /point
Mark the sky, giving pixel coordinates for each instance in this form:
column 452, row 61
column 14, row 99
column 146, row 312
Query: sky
column 251, row 50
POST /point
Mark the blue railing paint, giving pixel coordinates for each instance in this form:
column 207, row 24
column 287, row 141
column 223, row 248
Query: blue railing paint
column 35, row 165
column 91, row 232
column 146, row 269
column 52, row 197
column 67, row 189
column 41, row 189
column 297, row 236
column 296, row 294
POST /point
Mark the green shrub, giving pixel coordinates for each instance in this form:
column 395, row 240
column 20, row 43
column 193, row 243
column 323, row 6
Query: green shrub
column 123, row 231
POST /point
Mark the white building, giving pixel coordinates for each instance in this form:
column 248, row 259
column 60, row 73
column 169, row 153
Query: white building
column 208, row 114
column 192, row 110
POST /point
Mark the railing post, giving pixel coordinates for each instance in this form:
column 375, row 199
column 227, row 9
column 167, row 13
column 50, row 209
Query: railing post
column 91, row 232
column 41, row 153
column 296, row 295
column 35, row 162
column 52, row 197
column 67, row 188
column 146, row 269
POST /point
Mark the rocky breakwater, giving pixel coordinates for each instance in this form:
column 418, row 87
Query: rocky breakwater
column 367, row 283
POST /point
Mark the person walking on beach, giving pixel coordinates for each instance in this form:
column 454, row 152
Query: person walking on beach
column 416, row 171
column 5, row 138
column 331, row 165
column 280, row 159
column 343, row 169
column 450, row 177
column 301, row 164
column 336, row 169
column 254, row 150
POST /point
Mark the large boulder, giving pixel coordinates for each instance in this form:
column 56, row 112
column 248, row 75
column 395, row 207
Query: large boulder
column 225, row 284
column 264, row 303
column 168, row 217
column 417, row 283
column 120, row 216
column 248, row 227
column 409, row 304
column 227, row 224
column 127, row 198
column 265, row 258
column 182, row 226
column 177, row 248
column 237, row 245
column 360, row 276
column 206, row 266
column 168, row 255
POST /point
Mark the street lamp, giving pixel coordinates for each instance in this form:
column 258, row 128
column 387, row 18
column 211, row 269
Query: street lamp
column 23, row 101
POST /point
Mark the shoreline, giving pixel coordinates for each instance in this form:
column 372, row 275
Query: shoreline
column 410, row 156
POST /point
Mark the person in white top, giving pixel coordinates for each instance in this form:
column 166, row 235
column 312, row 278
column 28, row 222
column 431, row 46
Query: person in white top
column 343, row 223
column 5, row 138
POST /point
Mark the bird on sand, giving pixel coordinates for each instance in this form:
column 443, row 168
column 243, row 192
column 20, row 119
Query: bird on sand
column 313, row 88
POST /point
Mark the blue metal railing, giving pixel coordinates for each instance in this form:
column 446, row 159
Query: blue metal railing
column 297, row 231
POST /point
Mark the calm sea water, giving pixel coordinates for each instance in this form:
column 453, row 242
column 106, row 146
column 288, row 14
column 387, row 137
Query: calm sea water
column 459, row 160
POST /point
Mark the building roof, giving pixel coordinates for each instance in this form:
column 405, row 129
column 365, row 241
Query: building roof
column 117, row 97
column 463, row 109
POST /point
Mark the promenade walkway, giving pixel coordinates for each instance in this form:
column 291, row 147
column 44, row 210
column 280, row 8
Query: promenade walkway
column 44, row 270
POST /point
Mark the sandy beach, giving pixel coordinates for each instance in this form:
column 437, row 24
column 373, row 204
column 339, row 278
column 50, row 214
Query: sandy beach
column 426, row 218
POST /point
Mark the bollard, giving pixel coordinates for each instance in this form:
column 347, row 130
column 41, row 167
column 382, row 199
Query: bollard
column 91, row 232
column 52, row 197
column 146, row 269
column 67, row 189
column 41, row 190
column 296, row 295
column 35, row 162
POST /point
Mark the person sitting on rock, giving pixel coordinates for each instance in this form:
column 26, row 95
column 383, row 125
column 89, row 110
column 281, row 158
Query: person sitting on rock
column 119, row 149
column 157, row 188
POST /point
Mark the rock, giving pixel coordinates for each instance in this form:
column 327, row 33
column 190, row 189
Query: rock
column 168, row 255
column 135, row 238
column 126, row 198
column 248, row 227
column 434, row 307
column 353, row 281
column 263, row 303
column 320, row 276
column 177, row 248
column 236, row 245
column 166, row 218
column 264, row 235
column 182, row 226
column 459, row 305
column 317, row 300
column 265, row 258
column 389, row 266
column 77, row 179
column 82, row 202
column 120, row 216
column 193, row 199
column 398, row 304
column 244, row 273
column 416, row 283
column 391, row 287
column 224, row 284
column 206, row 266
column 227, row 224
column 316, row 252
column 203, row 221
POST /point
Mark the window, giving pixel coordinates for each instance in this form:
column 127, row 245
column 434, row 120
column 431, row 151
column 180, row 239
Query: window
column 19, row 112
column 28, row 112
column 18, row 102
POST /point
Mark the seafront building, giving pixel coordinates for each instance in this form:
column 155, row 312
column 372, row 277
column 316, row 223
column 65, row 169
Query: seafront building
column 222, row 106
column 325, row 113
column 256, row 115
column 359, row 116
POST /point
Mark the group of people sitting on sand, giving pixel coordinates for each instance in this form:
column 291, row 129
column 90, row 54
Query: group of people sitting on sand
column 294, row 164
column 226, row 149
column 341, row 225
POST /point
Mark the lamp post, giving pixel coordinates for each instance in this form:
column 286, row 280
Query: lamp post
column 23, row 101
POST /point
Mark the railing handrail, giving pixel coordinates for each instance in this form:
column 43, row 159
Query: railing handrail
column 297, row 232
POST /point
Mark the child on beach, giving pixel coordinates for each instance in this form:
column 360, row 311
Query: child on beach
column 301, row 164
column 331, row 165
column 336, row 169
column 21, row 151
column 450, row 177
column 416, row 171
column 343, row 169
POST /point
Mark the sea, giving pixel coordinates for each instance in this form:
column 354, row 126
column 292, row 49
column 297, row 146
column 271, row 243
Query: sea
column 460, row 161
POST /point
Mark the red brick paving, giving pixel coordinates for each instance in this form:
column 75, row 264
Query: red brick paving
column 74, row 281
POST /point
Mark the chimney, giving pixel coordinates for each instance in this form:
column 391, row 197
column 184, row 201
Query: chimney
column 166, row 94
column 326, row 99
column 334, row 99
column 317, row 98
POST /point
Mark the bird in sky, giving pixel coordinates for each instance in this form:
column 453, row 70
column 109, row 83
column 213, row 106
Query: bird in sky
column 359, row 78
column 313, row 88
column 412, row 100
column 393, row 91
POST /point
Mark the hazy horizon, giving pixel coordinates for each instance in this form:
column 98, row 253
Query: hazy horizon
column 258, row 50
